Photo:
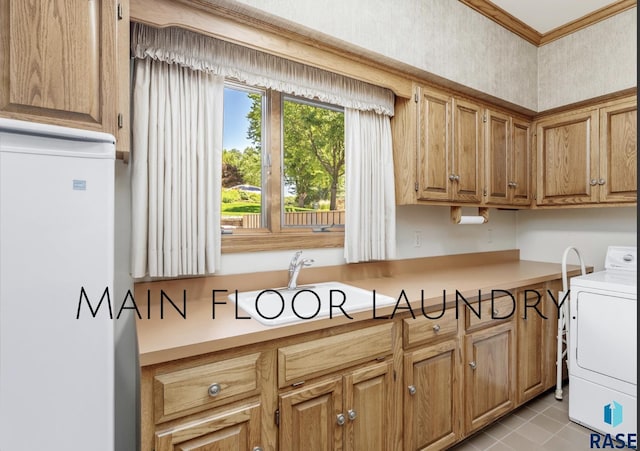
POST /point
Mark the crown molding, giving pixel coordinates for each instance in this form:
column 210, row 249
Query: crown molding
column 515, row 25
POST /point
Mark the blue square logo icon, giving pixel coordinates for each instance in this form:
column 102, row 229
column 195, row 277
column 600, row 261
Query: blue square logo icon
column 613, row 413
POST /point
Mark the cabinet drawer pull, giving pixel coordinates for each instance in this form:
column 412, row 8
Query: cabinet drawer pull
column 472, row 365
column 214, row 389
column 340, row 419
column 436, row 328
column 412, row 390
column 593, row 182
column 352, row 414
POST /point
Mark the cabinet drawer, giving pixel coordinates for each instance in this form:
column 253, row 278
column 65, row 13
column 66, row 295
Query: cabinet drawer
column 422, row 329
column 205, row 385
column 502, row 309
column 324, row 355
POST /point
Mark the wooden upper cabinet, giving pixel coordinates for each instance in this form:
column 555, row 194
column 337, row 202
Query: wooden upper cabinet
column 507, row 160
column 434, row 145
column 467, row 151
column 520, row 164
column 498, row 148
column 618, row 176
column 60, row 63
column 568, row 158
column 449, row 148
column 589, row 156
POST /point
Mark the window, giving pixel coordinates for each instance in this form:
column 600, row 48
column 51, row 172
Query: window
column 313, row 164
column 243, row 204
column 283, row 171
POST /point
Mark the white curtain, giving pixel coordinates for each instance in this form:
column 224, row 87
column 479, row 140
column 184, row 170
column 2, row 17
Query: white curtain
column 186, row 48
column 370, row 194
column 176, row 165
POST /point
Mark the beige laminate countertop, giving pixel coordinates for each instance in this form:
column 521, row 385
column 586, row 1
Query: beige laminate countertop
column 173, row 337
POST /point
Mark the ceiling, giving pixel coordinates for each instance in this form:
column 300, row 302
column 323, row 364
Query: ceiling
column 546, row 15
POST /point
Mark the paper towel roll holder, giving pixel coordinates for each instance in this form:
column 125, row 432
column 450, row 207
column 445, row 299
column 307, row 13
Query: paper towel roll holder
column 456, row 214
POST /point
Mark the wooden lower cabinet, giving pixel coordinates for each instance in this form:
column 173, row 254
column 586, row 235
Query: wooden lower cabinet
column 533, row 306
column 229, row 430
column 431, row 401
column 489, row 375
column 406, row 384
column 352, row 411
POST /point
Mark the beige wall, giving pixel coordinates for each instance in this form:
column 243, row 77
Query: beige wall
column 592, row 62
column 442, row 37
column 438, row 236
column 447, row 39
column 543, row 235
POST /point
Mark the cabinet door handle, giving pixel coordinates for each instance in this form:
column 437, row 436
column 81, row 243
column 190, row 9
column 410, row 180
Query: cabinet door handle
column 340, row 419
column 512, row 185
column 495, row 312
column 352, row 414
column 214, row 389
column 257, row 448
column 593, row 182
column 436, row 328
column 472, row 365
column 412, row 390
column 452, row 177
column 601, row 182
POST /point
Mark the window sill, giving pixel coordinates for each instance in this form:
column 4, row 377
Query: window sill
column 256, row 242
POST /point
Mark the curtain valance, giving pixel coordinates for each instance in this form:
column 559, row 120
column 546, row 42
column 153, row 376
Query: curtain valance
column 199, row 52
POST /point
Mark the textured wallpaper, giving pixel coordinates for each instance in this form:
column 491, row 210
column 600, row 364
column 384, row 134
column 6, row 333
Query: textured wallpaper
column 589, row 63
column 442, row 37
column 450, row 40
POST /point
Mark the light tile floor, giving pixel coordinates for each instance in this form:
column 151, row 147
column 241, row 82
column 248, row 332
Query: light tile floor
column 541, row 424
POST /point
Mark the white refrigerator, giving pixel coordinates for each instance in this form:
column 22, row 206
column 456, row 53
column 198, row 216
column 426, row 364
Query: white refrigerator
column 56, row 264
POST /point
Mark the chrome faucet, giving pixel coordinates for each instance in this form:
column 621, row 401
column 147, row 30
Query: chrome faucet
column 295, row 265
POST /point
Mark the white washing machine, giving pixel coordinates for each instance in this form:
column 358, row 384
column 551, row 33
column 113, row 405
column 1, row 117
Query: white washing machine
column 603, row 345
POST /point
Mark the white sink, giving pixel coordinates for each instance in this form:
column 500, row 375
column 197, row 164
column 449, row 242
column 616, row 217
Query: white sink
column 308, row 302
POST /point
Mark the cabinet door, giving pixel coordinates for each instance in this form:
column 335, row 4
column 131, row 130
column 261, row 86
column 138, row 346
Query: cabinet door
column 568, row 159
column 467, row 151
column 58, row 62
column 520, row 165
column 432, row 403
column 488, row 375
column 434, row 145
column 369, row 408
column 618, row 178
column 227, row 431
column 532, row 304
column 497, row 161
column 308, row 417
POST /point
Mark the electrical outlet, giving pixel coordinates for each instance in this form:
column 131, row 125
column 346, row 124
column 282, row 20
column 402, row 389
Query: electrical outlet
column 417, row 238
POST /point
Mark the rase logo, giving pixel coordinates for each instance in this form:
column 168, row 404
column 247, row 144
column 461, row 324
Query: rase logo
column 612, row 415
